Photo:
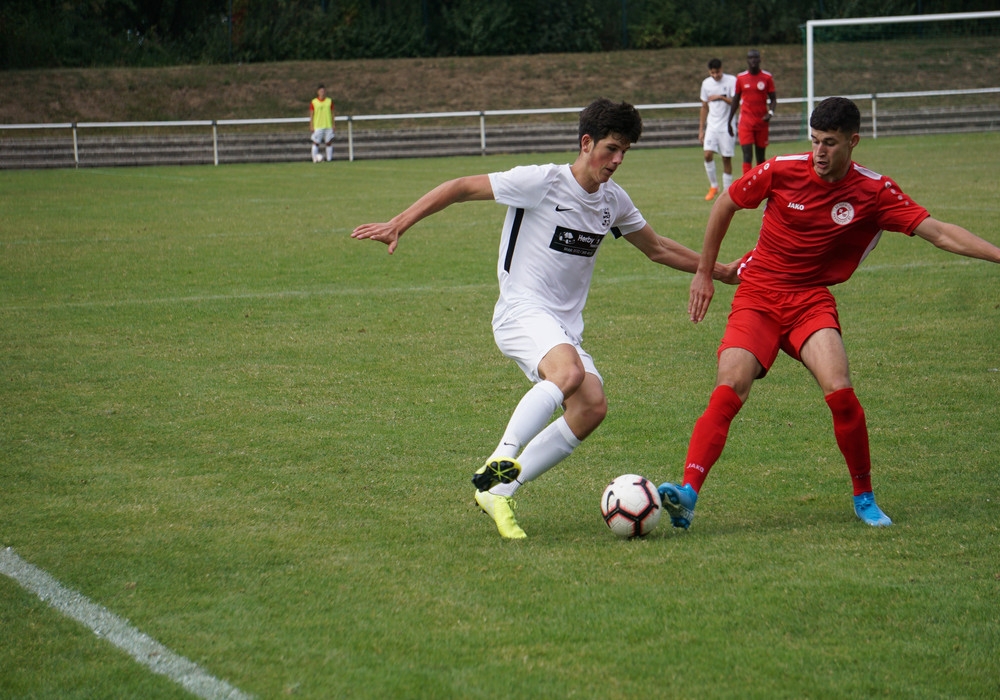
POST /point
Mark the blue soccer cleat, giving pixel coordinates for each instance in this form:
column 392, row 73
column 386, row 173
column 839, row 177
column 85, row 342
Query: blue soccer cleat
column 679, row 503
column 865, row 508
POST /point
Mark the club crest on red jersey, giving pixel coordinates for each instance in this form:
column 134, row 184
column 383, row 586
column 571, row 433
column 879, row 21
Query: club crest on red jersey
column 842, row 213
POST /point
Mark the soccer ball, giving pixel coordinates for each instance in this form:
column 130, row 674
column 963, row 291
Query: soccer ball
column 631, row 506
column 318, row 158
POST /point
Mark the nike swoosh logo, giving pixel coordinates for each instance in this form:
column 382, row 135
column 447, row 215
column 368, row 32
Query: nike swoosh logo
column 559, row 208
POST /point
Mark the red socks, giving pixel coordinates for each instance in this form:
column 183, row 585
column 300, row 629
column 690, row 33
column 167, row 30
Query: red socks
column 709, row 436
column 747, row 167
column 851, row 430
column 711, row 430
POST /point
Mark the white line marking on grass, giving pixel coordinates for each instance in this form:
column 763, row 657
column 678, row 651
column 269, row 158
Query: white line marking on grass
column 658, row 276
column 243, row 296
column 105, row 624
column 133, row 173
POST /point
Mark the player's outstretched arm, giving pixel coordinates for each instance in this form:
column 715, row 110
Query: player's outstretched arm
column 666, row 251
column 702, row 288
column 955, row 239
column 463, row 189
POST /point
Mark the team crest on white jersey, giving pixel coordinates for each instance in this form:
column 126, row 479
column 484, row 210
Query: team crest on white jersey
column 842, row 213
column 605, row 217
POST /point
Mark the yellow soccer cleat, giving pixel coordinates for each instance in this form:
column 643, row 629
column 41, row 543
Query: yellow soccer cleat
column 501, row 509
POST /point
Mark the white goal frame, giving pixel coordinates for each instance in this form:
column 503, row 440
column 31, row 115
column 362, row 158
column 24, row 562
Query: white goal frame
column 899, row 19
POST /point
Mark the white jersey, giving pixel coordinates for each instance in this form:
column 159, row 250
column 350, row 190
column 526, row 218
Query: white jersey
column 718, row 110
column 550, row 237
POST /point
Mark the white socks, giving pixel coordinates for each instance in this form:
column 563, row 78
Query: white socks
column 329, row 152
column 713, row 181
column 551, row 446
column 710, row 171
column 545, row 444
column 531, row 415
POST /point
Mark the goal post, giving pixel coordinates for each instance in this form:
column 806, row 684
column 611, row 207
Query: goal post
column 988, row 22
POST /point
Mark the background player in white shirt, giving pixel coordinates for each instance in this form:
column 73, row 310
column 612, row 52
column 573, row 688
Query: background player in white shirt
column 557, row 217
column 714, row 132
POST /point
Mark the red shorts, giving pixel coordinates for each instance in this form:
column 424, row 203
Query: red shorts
column 764, row 322
column 755, row 134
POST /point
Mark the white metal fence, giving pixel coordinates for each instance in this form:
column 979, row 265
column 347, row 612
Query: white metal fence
column 873, row 101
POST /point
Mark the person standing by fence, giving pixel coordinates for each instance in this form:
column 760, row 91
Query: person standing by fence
column 715, row 131
column 321, row 114
column 756, row 100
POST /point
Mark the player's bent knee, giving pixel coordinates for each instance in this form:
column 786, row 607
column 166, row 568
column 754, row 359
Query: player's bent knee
column 567, row 378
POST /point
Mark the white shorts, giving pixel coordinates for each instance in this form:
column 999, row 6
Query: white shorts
column 719, row 141
column 527, row 337
column 321, row 136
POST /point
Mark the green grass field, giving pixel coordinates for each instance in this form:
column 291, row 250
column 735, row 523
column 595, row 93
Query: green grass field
column 252, row 437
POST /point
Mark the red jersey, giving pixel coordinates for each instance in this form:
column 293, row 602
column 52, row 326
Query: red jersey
column 753, row 91
column 815, row 233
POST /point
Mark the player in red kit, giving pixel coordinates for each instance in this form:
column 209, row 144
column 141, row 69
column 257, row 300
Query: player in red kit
column 824, row 214
column 756, row 100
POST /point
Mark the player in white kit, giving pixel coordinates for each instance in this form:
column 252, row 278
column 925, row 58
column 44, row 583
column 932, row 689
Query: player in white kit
column 717, row 92
column 557, row 217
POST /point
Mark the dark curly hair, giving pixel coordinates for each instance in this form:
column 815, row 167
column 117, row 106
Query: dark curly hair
column 603, row 117
column 836, row 114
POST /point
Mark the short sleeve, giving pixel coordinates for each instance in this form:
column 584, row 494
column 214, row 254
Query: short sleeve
column 896, row 211
column 753, row 188
column 523, row 186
